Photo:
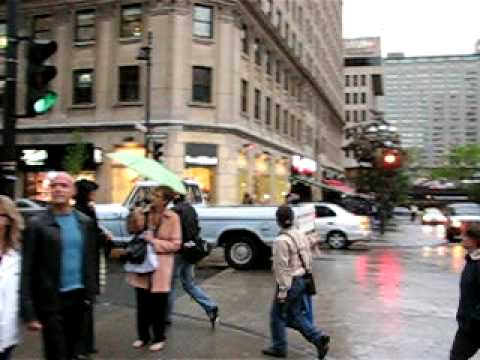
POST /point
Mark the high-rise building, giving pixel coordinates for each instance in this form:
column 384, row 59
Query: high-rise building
column 363, row 87
column 434, row 102
column 238, row 89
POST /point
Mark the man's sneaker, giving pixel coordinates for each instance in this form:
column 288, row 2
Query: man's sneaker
column 274, row 352
column 322, row 346
column 213, row 316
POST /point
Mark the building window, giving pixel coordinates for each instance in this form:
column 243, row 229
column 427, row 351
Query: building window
column 277, row 117
column 364, row 80
column 355, row 98
column 82, row 87
column 299, row 130
column 294, row 42
column 129, row 84
column 268, row 111
column 131, row 24
column 203, row 21
column 364, row 98
column 285, row 122
column 244, row 100
column 278, row 71
column 347, row 116
column 347, row 80
column 268, row 62
column 287, row 33
column 202, row 84
column 258, row 99
column 41, row 27
column 269, row 9
column 85, row 25
column 285, row 80
column 355, row 116
column 364, row 115
column 258, row 52
column 292, row 126
column 347, row 98
column 244, row 40
column 279, row 20
column 355, row 80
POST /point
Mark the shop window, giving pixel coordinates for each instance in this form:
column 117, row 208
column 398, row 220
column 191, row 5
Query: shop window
column 3, row 35
column 258, row 99
column 85, row 25
column 42, row 27
column 82, row 87
column 131, row 24
column 129, row 84
column 203, row 21
column 244, row 99
column 202, row 84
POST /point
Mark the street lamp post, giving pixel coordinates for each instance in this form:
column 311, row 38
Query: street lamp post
column 144, row 54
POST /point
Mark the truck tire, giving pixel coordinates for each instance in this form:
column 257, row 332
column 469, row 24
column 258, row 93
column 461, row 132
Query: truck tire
column 337, row 240
column 242, row 253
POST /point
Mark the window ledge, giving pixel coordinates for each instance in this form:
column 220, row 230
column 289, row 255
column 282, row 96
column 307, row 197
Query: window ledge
column 128, row 103
column 82, row 106
column 84, row 43
column 245, row 56
column 130, row 40
column 203, row 40
column 244, row 115
column 201, row 105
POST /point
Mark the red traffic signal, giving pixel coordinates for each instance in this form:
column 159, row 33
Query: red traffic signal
column 389, row 159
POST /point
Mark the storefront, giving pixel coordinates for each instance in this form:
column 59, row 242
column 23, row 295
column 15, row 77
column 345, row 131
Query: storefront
column 305, row 168
column 38, row 163
column 262, row 179
column 200, row 164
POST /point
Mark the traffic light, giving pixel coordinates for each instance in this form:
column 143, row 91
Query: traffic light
column 40, row 99
column 157, row 150
column 389, row 159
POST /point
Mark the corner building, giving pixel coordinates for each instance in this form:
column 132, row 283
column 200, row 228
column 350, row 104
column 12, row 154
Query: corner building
column 237, row 89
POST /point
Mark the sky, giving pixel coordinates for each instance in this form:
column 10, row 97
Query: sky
column 415, row 27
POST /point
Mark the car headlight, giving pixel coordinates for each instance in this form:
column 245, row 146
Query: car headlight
column 456, row 223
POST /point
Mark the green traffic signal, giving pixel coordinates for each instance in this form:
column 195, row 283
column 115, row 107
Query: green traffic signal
column 45, row 103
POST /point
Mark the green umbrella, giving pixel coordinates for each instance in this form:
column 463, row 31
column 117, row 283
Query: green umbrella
column 150, row 169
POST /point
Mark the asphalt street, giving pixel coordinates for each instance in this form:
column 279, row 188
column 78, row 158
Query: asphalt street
column 394, row 297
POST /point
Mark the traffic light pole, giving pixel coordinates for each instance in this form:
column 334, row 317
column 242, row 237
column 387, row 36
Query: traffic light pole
column 8, row 161
column 148, row 91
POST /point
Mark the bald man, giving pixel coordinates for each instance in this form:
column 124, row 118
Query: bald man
column 58, row 272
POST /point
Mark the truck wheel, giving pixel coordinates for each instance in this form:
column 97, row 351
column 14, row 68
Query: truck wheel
column 242, row 253
column 337, row 240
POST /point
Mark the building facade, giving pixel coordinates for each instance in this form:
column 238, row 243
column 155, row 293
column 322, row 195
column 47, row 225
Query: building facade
column 434, row 103
column 237, row 89
column 363, row 88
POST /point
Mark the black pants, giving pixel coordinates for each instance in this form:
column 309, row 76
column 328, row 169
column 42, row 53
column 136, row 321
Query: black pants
column 151, row 313
column 7, row 353
column 464, row 346
column 87, row 345
column 62, row 329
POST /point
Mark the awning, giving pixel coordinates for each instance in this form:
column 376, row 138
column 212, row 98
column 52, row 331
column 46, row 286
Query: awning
column 345, row 189
column 340, row 185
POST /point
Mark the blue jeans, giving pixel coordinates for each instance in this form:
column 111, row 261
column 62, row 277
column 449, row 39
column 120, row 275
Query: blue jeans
column 184, row 271
column 296, row 318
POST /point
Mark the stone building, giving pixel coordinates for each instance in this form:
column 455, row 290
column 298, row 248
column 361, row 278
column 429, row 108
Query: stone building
column 237, row 89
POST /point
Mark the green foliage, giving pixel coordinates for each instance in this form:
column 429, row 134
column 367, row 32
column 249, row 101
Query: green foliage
column 460, row 163
column 76, row 154
column 473, row 192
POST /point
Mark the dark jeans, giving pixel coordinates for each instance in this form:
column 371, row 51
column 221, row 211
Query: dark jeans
column 151, row 313
column 87, row 345
column 295, row 317
column 7, row 353
column 62, row 330
column 465, row 345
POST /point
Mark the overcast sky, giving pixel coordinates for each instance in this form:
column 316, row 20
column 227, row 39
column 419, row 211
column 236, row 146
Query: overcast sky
column 415, row 27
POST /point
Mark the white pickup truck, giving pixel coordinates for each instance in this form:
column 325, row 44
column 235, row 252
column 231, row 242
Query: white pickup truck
column 246, row 231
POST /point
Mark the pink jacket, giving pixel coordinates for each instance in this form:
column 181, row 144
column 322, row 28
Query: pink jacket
column 166, row 243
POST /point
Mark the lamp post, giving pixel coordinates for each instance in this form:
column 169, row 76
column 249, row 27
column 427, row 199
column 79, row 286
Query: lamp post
column 144, row 54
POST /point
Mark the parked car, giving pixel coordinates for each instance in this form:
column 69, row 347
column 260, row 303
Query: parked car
column 459, row 214
column 433, row 216
column 245, row 231
column 29, row 208
column 339, row 227
column 401, row 211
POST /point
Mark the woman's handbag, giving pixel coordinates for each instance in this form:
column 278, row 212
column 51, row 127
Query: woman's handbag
column 195, row 250
column 136, row 250
column 150, row 259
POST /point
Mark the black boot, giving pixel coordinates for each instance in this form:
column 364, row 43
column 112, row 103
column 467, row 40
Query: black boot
column 274, row 352
column 213, row 316
column 322, row 346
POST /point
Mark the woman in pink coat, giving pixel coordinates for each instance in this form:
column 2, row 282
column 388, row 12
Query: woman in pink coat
column 152, row 289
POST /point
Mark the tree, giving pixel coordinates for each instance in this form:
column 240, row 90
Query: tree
column 460, row 163
column 76, row 154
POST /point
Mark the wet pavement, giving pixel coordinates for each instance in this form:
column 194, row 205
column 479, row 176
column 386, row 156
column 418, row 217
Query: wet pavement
column 392, row 298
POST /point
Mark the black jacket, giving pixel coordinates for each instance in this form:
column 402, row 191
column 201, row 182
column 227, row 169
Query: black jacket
column 41, row 264
column 189, row 220
column 468, row 314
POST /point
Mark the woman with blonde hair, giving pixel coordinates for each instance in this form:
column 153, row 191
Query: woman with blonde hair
column 152, row 290
column 11, row 225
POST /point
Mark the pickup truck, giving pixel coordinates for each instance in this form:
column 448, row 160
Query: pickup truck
column 245, row 231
